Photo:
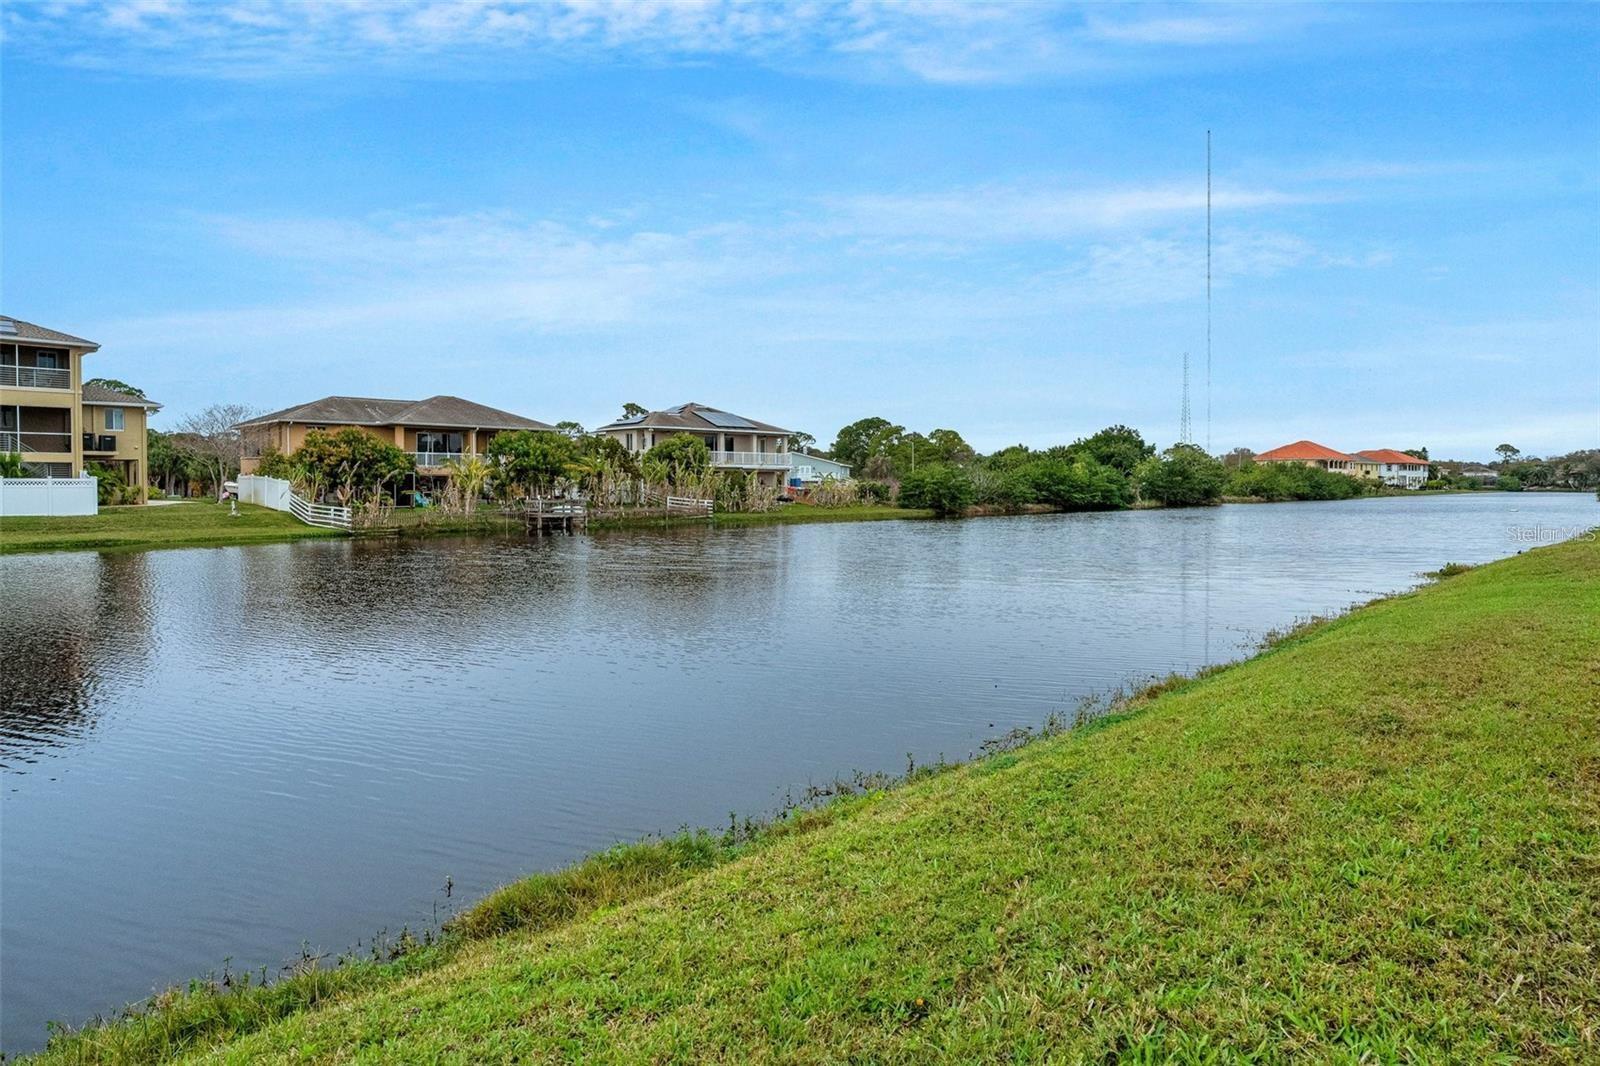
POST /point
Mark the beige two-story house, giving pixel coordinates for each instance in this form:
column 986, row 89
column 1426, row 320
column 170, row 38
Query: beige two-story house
column 735, row 442
column 115, row 433
column 434, row 431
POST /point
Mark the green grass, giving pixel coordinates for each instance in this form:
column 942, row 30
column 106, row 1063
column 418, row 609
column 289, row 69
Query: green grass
column 177, row 525
column 1377, row 841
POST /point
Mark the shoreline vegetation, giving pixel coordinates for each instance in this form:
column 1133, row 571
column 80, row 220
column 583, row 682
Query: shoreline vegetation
column 1305, row 854
column 205, row 523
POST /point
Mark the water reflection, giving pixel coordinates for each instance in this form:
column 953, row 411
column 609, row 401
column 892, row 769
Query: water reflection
column 220, row 753
column 58, row 636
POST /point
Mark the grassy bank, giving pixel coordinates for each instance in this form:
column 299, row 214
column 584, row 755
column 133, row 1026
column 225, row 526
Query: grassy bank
column 178, row 525
column 1375, row 841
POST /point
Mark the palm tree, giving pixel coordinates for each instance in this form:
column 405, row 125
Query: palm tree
column 470, row 474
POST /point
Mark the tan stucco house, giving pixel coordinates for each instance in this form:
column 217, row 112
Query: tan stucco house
column 57, row 424
column 434, row 431
column 116, row 433
column 735, row 442
column 1310, row 453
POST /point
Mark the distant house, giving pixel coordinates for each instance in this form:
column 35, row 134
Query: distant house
column 433, row 431
column 806, row 469
column 1397, row 468
column 1478, row 472
column 735, row 442
column 1310, row 453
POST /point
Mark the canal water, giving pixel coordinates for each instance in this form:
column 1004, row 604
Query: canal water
column 228, row 753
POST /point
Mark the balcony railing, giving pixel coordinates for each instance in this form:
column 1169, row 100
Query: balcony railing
column 752, row 460
column 429, row 459
column 99, row 442
column 35, row 377
column 27, row 441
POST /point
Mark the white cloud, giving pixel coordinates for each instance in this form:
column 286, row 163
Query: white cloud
column 933, row 40
column 1018, row 213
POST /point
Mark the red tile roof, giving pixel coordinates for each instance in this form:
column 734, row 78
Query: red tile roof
column 1389, row 455
column 1301, row 450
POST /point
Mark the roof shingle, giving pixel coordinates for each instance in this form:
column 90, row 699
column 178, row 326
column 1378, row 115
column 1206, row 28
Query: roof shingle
column 1301, row 450
column 691, row 417
column 100, row 394
column 1390, row 456
column 27, row 331
column 442, row 411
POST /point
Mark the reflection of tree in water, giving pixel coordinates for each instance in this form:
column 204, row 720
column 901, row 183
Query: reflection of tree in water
column 68, row 622
column 467, row 592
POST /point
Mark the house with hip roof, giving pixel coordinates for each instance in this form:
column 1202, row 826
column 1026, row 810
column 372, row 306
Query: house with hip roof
column 1398, row 468
column 736, row 443
column 1310, row 453
column 433, row 432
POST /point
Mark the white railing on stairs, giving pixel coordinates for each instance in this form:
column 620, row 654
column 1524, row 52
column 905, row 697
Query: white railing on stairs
column 319, row 514
column 688, row 505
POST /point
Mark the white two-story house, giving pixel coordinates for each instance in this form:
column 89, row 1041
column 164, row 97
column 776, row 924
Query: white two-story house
column 735, row 442
column 1397, row 468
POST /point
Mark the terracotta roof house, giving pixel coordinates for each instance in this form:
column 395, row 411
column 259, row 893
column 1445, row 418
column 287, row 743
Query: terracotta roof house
column 1310, row 453
column 434, row 431
column 1397, row 468
column 736, row 442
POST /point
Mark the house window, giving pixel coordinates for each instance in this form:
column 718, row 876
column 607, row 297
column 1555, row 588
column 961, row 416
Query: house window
column 630, row 442
column 114, row 417
column 428, row 441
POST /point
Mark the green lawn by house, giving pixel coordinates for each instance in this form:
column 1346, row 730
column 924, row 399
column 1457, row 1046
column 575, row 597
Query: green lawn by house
column 1376, row 841
column 187, row 524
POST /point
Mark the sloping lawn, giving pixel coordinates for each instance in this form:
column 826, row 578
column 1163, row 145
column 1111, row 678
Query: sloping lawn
column 175, row 525
column 1379, row 841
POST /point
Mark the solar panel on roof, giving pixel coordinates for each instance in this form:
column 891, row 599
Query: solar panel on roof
column 8, row 327
column 724, row 420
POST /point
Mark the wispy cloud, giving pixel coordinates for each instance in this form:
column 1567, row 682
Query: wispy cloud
column 1022, row 213
column 933, row 40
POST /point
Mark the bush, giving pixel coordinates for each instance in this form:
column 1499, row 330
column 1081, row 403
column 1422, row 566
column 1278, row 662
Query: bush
column 1284, row 481
column 1508, row 483
column 110, row 486
column 1079, row 484
column 274, row 463
column 945, row 490
column 874, row 491
column 677, row 459
column 1183, row 476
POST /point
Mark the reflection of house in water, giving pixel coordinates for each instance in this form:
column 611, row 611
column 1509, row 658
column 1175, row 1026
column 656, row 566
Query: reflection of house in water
column 72, row 625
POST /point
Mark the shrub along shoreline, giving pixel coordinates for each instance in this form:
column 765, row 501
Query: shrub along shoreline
column 1299, row 855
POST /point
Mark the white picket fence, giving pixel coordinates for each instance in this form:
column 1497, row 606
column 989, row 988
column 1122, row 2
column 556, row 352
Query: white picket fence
column 56, row 496
column 279, row 495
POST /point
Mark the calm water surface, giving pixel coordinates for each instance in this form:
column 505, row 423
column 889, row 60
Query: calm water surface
column 223, row 753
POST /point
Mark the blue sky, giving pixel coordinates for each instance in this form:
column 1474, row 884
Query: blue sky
column 983, row 217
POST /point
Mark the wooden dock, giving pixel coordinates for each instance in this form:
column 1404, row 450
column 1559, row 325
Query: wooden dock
column 543, row 516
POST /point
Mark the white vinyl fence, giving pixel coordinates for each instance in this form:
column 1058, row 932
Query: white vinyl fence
column 49, row 496
column 279, row 495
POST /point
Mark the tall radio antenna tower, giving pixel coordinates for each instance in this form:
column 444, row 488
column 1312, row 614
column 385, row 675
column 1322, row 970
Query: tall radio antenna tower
column 1208, row 294
column 1185, row 431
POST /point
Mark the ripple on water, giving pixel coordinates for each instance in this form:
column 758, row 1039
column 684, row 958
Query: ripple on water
column 220, row 753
